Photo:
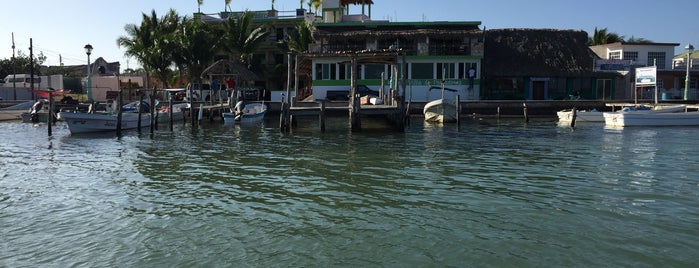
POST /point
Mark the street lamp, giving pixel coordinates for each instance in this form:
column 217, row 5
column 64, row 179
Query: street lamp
column 88, row 51
column 689, row 49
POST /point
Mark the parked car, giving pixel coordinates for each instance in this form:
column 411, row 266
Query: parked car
column 344, row 95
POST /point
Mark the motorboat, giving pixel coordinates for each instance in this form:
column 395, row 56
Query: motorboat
column 566, row 116
column 440, row 111
column 246, row 113
column 627, row 119
column 79, row 122
column 14, row 112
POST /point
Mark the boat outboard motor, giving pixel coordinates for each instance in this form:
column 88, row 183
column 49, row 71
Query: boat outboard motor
column 36, row 108
column 145, row 107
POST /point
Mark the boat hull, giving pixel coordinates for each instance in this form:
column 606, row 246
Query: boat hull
column 440, row 111
column 252, row 113
column 101, row 122
column 626, row 119
column 580, row 116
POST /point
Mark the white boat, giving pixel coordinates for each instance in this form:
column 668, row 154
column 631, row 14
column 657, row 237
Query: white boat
column 566, row 116
column 14, row 112
column 627, row 119
column 178, row 111
column 440, row 111
column 250, row 113
column 101, row 121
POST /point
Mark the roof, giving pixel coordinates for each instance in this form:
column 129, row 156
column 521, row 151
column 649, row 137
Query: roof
column 229, row 68
column 356, row 2
column 537, row 52
column 390, row 30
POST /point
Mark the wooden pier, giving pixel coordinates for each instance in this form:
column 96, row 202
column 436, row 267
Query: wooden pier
column 394, row 108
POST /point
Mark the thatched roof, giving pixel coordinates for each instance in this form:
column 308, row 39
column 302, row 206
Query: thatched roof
column 385, row 31
column 537, row 52
column 229, row 68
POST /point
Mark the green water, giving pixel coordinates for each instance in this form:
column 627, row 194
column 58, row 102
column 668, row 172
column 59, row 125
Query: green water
column 486, row 194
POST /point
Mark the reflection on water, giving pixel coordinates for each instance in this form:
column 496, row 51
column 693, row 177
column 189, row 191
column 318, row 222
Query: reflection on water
column 485, row 193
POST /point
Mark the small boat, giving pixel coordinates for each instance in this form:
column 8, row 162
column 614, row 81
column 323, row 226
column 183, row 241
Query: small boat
column 249, row 113
column 101, row 121
column 566, row 116
column 15, row 112
column 178, row 111
column 627, row 119
column 441, row 110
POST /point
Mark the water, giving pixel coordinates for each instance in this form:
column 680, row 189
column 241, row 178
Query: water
column 490, row 193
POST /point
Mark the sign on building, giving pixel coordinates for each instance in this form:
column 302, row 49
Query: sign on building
column 646, row 76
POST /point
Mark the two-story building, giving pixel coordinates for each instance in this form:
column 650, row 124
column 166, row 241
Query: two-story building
column 435, row 53
column 671, row 71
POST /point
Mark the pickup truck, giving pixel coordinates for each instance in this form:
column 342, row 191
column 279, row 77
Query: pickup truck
column 344, row 95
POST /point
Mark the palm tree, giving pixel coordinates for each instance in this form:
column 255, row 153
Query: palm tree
column 240, row 39
column 601, row 37
column 195, row 49
column 316, row 4
column 151, row 42
column 298, row 39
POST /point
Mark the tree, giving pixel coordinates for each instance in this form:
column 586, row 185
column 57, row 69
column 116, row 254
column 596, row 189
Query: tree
column 20, row 64
column 240, row 39
column 602, row 36
column 152, row 43
column 195, row 50
column 298, row 39
column 633, row 39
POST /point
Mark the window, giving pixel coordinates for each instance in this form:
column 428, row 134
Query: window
column 422, row 71
column 631, row 55
column 614, row 55
column 373, row 71
column 604, row 89
column 448, row 69
column 657, row 59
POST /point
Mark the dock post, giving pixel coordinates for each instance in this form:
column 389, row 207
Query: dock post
column 152, row 111
column 321, row 116
column 140, row 102
column 118, row 124
column 498, row 113
column 50, row 120
column 355, row 122
column 169, row 112
column 458, row 111
column 526, row 115
column 574, row 114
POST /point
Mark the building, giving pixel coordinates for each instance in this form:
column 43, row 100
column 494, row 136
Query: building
column 542, row 64
column 671, row 72
column 436, row 54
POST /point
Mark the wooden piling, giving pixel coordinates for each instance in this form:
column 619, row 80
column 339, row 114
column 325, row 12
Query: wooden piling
column 574, row 115
column 321, row 116
column 138, row 107
column 50, row 131
column 498, row 113
column 458, row 111
column 526, row 115
column 118, row 124
column 169, row 112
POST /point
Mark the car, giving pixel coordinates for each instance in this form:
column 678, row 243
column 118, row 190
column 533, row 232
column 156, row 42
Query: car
column 344, row 95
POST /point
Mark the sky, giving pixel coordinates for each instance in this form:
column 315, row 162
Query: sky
column 60, row 29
